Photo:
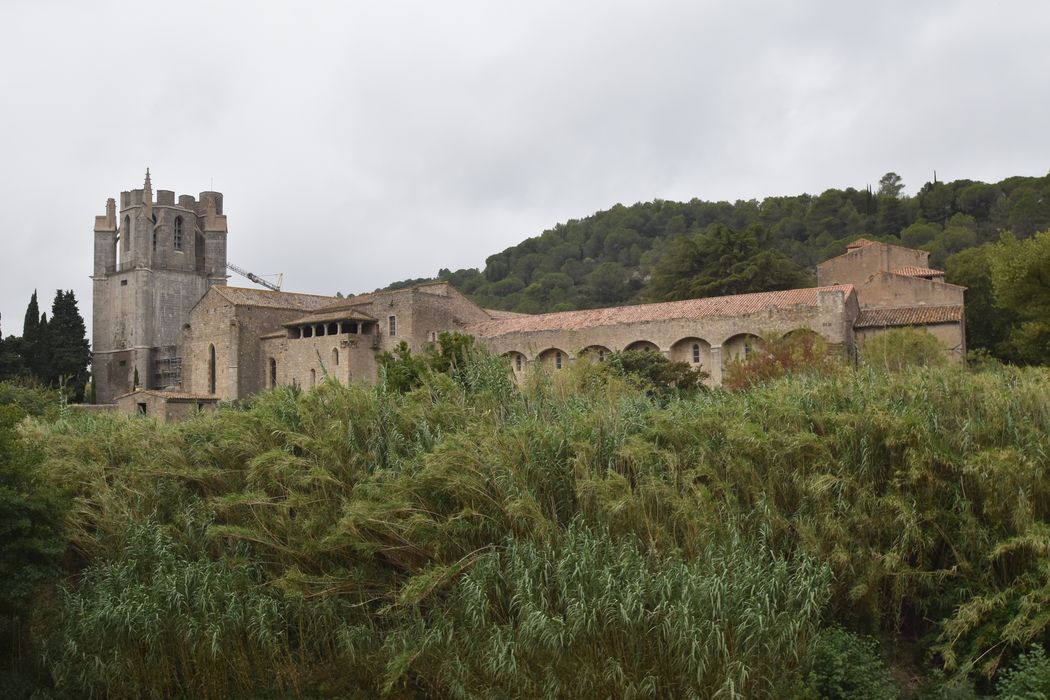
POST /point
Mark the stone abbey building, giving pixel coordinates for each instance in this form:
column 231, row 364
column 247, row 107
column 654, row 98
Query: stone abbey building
column 170, row 336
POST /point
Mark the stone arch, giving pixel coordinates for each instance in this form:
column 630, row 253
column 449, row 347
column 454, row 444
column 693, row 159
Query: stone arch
column 739, row 346
column 693, row 351
column 556, row 358
column 595, row 352
column 643, row 345
column 517, row 360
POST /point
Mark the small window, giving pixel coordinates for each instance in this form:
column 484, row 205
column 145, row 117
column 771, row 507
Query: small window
column 142, row 409
column 125, row 235
column 211, row 369
column 177, row 238
column 273, row 373
column 123, row 283
column 313, row 377
column 335, row 355
column 123, row 363
column 601, row 355
column 154, row 240
column 517, row 362
column 696, row 353
column 557, row 360
column 393, row 325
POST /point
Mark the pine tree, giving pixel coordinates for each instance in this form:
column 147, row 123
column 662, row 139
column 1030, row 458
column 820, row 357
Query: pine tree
column 68, row 351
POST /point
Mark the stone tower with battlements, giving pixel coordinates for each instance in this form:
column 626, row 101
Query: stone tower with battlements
column 154, row 260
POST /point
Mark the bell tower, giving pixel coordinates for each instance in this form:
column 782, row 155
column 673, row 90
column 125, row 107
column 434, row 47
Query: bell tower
column 155, row 258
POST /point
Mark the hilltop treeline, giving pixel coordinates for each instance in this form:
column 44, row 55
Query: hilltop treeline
column 575, row 537
column 635, row 253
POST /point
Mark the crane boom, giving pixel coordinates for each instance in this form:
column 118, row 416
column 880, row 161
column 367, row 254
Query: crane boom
column 255, row 278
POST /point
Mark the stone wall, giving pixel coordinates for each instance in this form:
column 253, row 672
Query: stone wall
column 887, row 290
column 857, row 264
column 720, row 338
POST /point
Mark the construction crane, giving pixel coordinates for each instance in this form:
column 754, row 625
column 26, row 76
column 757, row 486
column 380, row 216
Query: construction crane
column 257, row 279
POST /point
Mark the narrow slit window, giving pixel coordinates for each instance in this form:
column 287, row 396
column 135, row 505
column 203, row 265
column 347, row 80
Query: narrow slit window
column 557, row 360
column 177, row 238
column 393, row 325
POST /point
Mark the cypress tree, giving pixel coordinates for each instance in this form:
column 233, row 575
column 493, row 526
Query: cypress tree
column 29, row 326
column 68, row 351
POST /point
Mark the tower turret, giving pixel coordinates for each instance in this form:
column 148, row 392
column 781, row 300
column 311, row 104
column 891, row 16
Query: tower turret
column 153, row 262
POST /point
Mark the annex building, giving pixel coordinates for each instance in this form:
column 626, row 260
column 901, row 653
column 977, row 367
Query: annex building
column 170, row 335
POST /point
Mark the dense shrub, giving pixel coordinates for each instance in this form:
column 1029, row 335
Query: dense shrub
column 1027, row 679
column 896, row 349
column 801, row 352
column 376, row 521
column 847, row 667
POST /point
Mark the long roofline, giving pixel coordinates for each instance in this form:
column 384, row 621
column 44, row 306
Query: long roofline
column 707, row 307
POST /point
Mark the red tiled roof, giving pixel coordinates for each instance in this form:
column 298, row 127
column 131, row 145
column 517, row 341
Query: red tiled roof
column 736, row 305
column 908, row 316
column 241, row 296
column 912, row 271
column 859, row 243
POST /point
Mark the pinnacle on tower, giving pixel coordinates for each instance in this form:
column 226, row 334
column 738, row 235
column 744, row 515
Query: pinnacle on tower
column 147, row 195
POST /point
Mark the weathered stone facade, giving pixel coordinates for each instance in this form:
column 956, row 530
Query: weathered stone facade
column 154, row 260
column 161, row 305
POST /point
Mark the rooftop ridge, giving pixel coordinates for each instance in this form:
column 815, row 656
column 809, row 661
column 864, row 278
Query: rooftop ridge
column 729, row 305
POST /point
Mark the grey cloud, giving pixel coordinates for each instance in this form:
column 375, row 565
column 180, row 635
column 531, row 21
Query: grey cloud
column 361, row 143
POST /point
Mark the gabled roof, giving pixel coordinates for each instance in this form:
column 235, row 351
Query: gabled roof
column 735, row 305
column 242, row 296
column 908, row 316
column 912, row 271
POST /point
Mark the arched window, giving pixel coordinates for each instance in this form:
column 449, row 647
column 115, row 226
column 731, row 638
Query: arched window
column 313, row 377
column 273, row 373
column 177, row 238
column 211, row 369
column 335, row 355
column 557, row 360
column 696, row 353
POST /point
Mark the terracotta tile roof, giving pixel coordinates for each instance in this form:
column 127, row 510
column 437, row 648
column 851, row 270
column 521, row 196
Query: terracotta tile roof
column 171, row 395
column 241, row 296
column 912, row 271
column 736, row 305
column 323, row 316
column 908, row 316
column 859, row 243
column 500, row 313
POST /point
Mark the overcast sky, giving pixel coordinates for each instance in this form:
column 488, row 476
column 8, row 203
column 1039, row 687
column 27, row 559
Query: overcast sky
column 360, row 143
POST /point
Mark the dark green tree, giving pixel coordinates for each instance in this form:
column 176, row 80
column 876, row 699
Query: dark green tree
column 891, row 185
column 1021, row 280
column 722, row 261
column 987, row 323
column 69, row 352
